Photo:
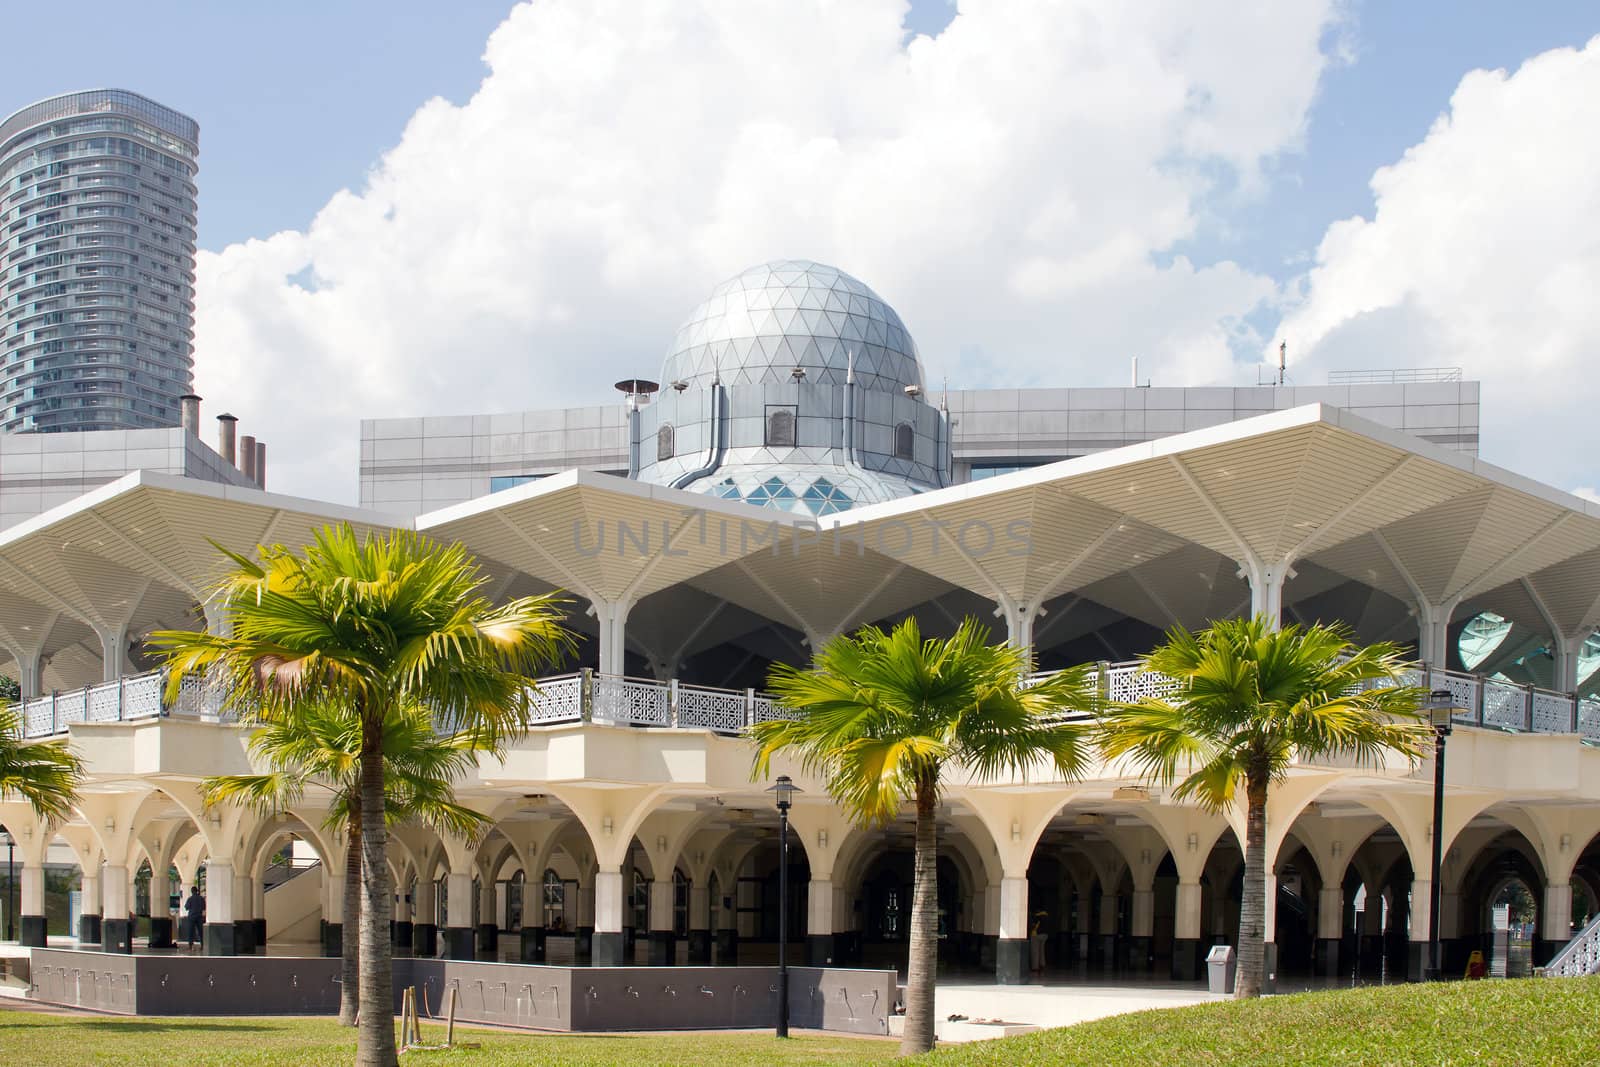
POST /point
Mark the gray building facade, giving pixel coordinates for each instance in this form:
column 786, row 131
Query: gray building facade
column 413, row 465
column 97, row 248
column 39, row 471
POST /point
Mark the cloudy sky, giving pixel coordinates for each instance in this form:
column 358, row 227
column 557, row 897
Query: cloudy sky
column 423, row 208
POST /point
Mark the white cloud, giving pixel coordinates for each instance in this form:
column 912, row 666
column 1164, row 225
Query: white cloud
column 1011, row 184
column 1483, row 252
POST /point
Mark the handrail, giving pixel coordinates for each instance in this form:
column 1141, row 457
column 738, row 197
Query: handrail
column 1577, row 957
column 588, row 696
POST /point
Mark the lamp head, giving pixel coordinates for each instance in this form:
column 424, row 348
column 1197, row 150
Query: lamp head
column 783, row 791
column 1441, row 708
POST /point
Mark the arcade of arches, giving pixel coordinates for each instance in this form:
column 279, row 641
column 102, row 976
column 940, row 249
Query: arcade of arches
column 1103, row 878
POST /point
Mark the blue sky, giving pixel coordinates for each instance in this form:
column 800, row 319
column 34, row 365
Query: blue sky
column 1209, row 192
column 298, row 99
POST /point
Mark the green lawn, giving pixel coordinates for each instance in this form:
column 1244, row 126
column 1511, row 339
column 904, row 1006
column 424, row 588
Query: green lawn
column 1521, row 1023
column 1525, row 1023
column 36, row 1039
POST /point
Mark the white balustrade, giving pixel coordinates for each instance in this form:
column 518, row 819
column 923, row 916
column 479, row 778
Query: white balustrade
column 1580, row 956
column 71, row 707
column 556, row 700
column 623, row 701
column 1589, row 719
column 630, row 701
column 1505, row 705
column 721, row 711
column 141, row 696
column 104, row 702
column 1552, row 712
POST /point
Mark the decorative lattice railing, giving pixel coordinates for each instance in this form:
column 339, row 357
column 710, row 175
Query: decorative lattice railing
column 587, row 696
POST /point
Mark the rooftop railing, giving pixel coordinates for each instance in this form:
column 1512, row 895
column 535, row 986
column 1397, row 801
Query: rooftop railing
column 587, row 696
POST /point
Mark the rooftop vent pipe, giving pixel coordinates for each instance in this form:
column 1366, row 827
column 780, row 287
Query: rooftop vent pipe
column 227, row 427
column 261, row 464
column 247, row 457
column 189, row 413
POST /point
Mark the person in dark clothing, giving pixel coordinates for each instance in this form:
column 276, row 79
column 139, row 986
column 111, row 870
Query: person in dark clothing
column 194, row 910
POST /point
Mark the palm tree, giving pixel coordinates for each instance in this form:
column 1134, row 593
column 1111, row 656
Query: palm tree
column 320, row 748
column 881, row 716
column 1250, row 701
column 371, row 624
column 45, row 774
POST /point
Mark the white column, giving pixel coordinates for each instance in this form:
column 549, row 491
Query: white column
column 219, row 892
column 608, row 902
column 1269, row 928
column 1144, row 913
column 488, row 903
column 612, row 619
column 258, row 898
column 1108, row 914
column 32, row 898
column 458, row 899
column 1567, row 650
column 243, row 892
column 661, row 904
column 1555, row 918
column 700, row 907
column 819, row 908
column 585, row 905
column 1019, row 623
column 114, row 887
column 333, row 895
column 402, row 905
column 113, row 644
column 1330, row 912
column 427, row 909
column 160, row 890
column 1421, row 908
column 30, row 665
column 1013, row 908
column 1266, row 590
column 1186, row 923
column 91, row 891
column 1433, row 632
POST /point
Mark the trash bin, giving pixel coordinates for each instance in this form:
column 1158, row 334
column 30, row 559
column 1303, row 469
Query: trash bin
column 1220, row 967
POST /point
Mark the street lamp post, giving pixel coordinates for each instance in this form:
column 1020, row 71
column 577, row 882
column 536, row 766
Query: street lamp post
column 1440, row 705
column 11, row 884
column 783, row 791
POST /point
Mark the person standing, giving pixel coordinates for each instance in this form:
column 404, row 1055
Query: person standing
column 194, row 910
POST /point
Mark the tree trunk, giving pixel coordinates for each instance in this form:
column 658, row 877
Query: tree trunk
column 1253, row 907
column 921, row 969
column 350, row 920
column 375, row 1031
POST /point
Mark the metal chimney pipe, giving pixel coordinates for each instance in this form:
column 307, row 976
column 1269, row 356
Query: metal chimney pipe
column 247, row 457
column 261, row 464
column 227, row 427
column 189, row 413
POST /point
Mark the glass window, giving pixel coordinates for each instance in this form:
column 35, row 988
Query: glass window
column 994, row 470
column 680, row 904
column 555, row 901
column 641, row 900
column 780, row 425
column 905, row 440
column 502, row 482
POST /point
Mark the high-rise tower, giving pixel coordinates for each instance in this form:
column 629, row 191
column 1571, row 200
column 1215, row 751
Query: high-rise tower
column 97, row 243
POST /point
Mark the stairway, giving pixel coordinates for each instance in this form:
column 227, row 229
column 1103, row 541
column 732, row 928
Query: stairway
column 1579, row 956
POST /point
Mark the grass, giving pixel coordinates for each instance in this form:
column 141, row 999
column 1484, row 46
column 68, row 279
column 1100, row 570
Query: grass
column 38, row 1039
column 1523, row 1023
column 1532, row 1022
